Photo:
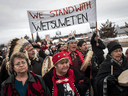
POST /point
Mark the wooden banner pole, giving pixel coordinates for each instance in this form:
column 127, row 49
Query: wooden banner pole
column 33, row 39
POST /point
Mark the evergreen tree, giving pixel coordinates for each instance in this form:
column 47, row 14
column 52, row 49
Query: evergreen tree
column 126, row 25
column 107, row 30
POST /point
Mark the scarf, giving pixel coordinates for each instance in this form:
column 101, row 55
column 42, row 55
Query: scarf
column 69, row 79
column 120, row 61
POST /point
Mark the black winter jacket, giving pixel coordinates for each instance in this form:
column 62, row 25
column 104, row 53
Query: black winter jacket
column 98, row 50
column 105, row 70
column 35, row 86
column 80, row 86
column 37, row 65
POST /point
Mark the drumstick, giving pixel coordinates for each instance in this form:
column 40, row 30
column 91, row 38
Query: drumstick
column 111, row 69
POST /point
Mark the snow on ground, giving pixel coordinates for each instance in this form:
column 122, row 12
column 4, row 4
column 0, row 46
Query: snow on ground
column 122, row 37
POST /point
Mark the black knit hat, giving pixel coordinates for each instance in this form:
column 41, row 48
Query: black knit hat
column 36, row 46
column 113, row 46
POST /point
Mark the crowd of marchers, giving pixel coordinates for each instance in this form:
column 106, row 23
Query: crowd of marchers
column 63, row 69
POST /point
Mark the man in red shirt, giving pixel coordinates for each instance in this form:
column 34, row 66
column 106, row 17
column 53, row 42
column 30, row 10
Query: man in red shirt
column 76, row 57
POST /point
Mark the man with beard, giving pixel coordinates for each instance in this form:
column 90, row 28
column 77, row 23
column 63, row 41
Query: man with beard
column 92, row 69
column 82, row 46
column 83, row 49
column 63, row 80
column 36, row 61
column 107, row 78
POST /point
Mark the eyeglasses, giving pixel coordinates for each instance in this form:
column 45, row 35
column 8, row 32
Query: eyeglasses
column 18, row 63
column 116, row 51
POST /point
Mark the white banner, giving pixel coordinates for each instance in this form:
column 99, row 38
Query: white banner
column 78, row 14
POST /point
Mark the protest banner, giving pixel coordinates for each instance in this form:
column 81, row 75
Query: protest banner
column 41, row 20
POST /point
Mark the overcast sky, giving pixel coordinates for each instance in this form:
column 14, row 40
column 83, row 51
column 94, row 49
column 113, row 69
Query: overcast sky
column 14, row 20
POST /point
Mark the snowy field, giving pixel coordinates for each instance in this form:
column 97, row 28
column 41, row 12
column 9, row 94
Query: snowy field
column 106, row 50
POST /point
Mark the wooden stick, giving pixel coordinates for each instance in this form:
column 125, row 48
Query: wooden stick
column 96, row 24
column 111, row 69
column 33, row 38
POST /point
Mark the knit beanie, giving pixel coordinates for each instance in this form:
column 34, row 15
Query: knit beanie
column 113, row 46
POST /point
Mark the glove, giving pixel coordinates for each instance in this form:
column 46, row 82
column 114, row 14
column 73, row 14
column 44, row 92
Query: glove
column 111, row 80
